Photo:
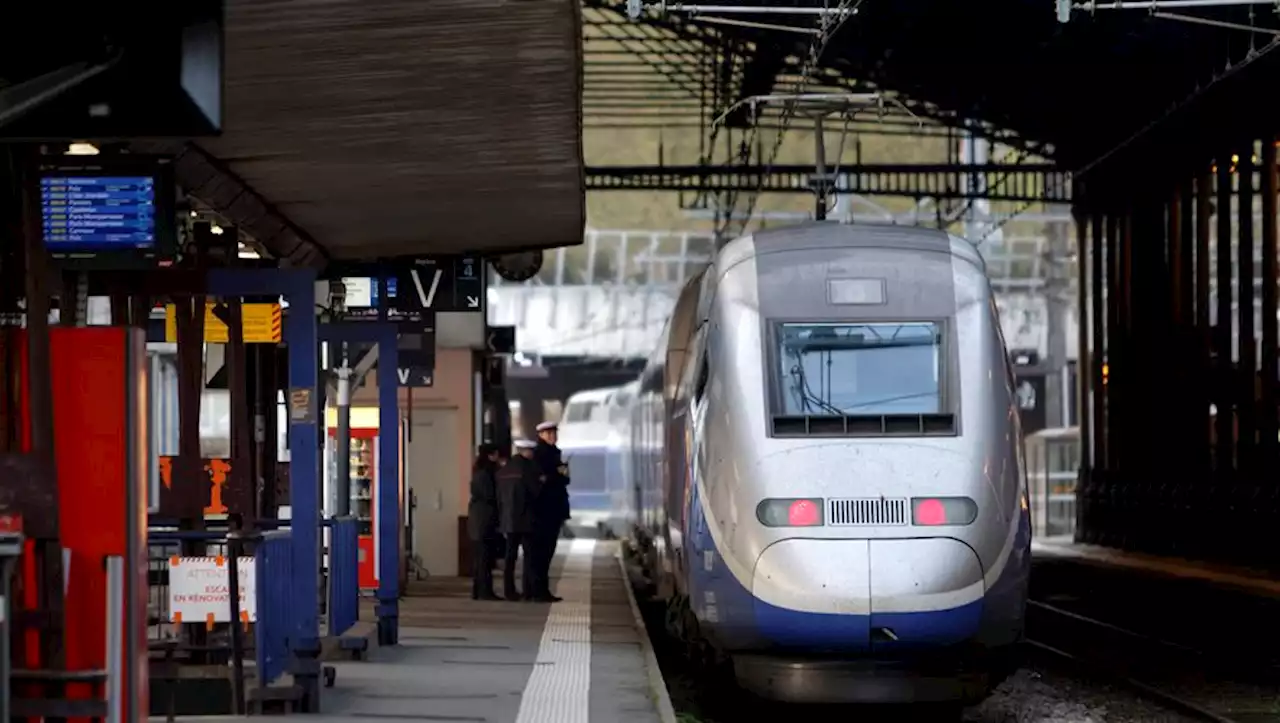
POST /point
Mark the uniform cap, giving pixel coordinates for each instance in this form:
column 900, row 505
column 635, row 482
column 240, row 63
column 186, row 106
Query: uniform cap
column 545, row 426
column 525, row 444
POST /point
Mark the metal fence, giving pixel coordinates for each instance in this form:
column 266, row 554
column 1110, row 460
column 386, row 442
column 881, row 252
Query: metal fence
column 200, row 642
column 274, row 561
column 235, row 639
column 344, row 586
column 163, row 545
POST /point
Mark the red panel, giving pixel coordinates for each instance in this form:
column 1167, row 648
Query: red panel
column 88, row 367
column 367, row 569
column 90, row 376
column 367, row 572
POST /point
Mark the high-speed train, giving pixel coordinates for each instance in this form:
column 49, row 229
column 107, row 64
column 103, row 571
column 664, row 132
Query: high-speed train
column 824, row 469
column 590, row 443
column 584, row 432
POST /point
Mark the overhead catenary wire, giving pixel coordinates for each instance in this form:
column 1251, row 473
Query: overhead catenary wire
column 829, row 25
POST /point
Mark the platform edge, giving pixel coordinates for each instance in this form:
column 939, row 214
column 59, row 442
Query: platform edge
column 1244, row 580
column 657, row 684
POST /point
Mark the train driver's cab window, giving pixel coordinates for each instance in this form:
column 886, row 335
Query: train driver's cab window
column 859, row 369
column 579, row 411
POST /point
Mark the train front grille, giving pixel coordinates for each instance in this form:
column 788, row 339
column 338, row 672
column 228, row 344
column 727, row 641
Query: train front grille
column 867, row 511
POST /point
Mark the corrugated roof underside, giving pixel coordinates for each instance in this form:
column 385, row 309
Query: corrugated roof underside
column 386, row 127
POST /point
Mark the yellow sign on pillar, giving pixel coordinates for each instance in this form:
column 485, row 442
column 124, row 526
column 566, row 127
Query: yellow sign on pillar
column 262, row 324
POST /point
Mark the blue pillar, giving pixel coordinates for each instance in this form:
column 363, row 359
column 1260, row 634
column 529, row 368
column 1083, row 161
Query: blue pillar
column 389, row 517
column 304, row 407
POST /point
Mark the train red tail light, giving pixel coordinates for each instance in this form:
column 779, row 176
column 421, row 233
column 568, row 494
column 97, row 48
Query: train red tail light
column 803, row 513
column 939, row 511
column 790, row 513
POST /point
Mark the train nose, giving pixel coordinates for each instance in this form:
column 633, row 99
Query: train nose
column 879, row 595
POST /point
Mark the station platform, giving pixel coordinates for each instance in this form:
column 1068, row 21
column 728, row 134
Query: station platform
column 1258, row 583
column 584, row 660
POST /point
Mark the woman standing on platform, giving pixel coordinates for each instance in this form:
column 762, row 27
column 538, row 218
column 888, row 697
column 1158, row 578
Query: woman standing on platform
column 482, row 521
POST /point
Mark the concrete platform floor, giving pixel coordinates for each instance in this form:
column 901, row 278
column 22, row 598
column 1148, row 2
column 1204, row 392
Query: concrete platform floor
column 582, row 660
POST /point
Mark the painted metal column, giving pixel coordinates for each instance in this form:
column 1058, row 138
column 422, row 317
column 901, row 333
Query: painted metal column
column 1224, row 450
column 1084, row 383
column 389, row 516
column 342, row 435
column 1269, row 424
column 1246, row 422
column 1201, row 387
column 304, row 478
column 1098, row 343
column 342, row 439
column 303, row 402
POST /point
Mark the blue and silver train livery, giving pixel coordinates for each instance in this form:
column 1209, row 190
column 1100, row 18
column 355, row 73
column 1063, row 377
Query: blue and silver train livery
column 824, row 467
column 585, row 435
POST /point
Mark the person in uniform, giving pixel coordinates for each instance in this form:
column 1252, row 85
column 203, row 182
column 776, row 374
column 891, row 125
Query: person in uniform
column 518, row 488
column 482, row 521
column 553, row 503
column 497, row 542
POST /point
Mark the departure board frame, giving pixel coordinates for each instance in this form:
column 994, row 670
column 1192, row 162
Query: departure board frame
column 114, row 255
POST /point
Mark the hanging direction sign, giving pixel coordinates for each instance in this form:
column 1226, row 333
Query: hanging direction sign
column 414, row 286
column 416, row 369
column 416, row 363
column 500, row 340
column 372, row 299
column 451, row 283
column 418, row 375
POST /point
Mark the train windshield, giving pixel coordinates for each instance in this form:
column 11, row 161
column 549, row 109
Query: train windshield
column 580, row 411
column 859, row 369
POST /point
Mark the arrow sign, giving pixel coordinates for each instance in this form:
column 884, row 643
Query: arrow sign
column 416, row 377
column 501, row 340
column 441, row 284
column 468, row 273
column 416, row 367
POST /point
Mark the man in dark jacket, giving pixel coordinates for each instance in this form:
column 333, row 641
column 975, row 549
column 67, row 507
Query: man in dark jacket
column 553, row 503
column 482, row 521
column 518, row 488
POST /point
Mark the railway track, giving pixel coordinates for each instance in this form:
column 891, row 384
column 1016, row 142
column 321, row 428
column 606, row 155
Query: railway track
column 1166, row 672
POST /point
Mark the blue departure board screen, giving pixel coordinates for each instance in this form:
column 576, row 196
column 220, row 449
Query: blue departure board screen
column 98, row 213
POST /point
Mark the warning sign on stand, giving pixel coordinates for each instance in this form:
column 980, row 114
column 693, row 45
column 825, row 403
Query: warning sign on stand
column 200, row 590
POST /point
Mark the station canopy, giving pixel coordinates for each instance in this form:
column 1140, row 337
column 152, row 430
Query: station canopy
column 394, row 127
